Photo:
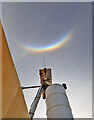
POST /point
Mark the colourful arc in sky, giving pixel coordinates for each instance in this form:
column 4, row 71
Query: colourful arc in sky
column 51, row 47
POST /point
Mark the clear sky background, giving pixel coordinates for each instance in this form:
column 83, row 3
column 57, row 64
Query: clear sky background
column 42, row 24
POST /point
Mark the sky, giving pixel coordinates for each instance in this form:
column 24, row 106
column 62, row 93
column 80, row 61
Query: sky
column 31, row 26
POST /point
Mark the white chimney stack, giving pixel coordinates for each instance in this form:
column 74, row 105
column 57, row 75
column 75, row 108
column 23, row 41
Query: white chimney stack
column 57, row 102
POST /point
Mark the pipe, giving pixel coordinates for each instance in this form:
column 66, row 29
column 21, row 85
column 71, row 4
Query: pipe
column 35, row 103
column 30, row 87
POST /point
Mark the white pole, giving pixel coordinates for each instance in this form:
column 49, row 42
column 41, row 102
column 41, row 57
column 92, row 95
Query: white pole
column 57, row 102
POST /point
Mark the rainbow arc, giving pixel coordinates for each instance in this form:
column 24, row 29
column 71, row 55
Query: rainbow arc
column 51, row 47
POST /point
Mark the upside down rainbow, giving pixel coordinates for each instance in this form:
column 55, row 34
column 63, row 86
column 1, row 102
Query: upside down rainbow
column 51, row 47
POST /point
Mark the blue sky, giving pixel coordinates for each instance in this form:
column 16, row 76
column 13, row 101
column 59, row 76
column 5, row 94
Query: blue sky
column 40, row 24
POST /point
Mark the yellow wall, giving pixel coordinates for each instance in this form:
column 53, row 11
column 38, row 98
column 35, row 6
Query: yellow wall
column 0, row 72
column 13, row 103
